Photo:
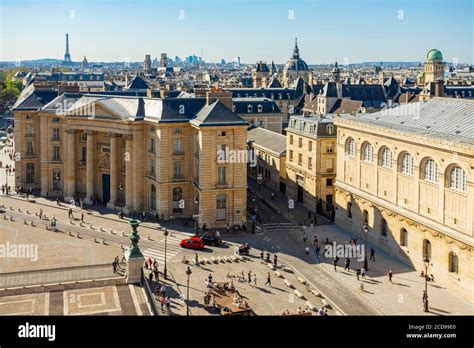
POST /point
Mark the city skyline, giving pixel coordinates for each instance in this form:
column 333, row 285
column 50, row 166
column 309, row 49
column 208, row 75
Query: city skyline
column 268, row 35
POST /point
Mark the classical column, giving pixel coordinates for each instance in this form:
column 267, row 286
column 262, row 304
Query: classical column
column 114, row 170
column 90, row 167
column 128, row 156
column 71, row 165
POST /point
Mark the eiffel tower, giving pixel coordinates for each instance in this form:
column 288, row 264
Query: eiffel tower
column 67, row 56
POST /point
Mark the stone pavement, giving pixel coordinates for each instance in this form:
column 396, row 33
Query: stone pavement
column 403, row 296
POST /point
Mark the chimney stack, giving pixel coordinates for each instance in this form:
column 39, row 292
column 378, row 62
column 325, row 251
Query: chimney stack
column 225, row 97
column 439, row 88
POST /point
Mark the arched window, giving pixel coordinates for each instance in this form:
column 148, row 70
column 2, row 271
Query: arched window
column 368, row 152
column 386, row 158
column 384, row 229
column 349, row 210
column 221, row 207
column 408, row 166
column 426, row 249
column 458, row 179
column 351, row 148
column 153, row 197
column 403, row 237
column 453, row 262
column 329, row 129
column 365, row 215
column 431, row 171
column 178, row 200
column 30, row 173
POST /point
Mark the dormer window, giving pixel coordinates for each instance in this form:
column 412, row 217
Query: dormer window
column 249, row 108
column 329, row 129
column 260, row 108
column 280, row 95
column 301, row 126
column 273, row 96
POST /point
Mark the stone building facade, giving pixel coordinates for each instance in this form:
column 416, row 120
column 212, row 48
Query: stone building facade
column 408, row 173
column 311, row 162
column 135, row 153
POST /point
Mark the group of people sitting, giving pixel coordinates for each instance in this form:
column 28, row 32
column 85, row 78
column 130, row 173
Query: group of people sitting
column 244, row 249
column 429, row 278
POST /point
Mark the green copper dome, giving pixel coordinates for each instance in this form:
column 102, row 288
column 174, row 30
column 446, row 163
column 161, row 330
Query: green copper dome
column 434, row 54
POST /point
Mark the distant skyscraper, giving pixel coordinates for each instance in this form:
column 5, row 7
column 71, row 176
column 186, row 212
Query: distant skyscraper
column 67, row 56
column 222, row 61
column 163, row 60
column 147, row 64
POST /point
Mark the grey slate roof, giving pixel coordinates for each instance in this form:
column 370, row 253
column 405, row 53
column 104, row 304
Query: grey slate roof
column 440, row 118
column 274, row 142
column 268, row 105
column 32, row 98
column 137, row 83
column 313, row 126
column 217, row 114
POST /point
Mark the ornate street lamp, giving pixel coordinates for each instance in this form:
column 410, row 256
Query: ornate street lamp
column 366, row 232
column 188, row 273
column 165, row 272
column 426, row 260
column 196, row 210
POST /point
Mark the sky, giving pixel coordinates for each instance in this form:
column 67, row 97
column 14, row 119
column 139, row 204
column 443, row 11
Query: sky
column 348, row 31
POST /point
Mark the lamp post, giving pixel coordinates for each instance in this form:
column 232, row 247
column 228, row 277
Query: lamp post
column 425, row 297
column 196, row 215
column 366, row 232
column 188, row 273
column 57, row 178
column 165, row 272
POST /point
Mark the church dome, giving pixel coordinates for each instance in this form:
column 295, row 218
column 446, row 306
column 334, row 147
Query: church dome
column 434, row 54
column 295, row 62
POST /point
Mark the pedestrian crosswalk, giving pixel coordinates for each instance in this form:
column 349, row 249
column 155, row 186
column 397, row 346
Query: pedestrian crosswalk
column 281, row 226
column 157, row 252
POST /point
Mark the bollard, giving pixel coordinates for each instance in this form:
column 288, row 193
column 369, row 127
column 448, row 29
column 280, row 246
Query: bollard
column 19, row 210
column 95, row 240
column 28, row 212
column 148, row 237
column 91, row 227
column 111, row 231
column 101, row 229
column 78, row 235
column 11, row 218
column 5, row 218
column 32, row 224
column 70, row 222
column 24, row 221
column 103, row 242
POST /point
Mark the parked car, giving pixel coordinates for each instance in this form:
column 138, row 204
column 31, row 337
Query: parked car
column 195, row 243
column 211, row 239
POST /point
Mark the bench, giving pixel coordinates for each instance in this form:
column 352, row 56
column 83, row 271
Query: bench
column 204, row 260
column 234, row 259
column 214, row 260
column 326, row 303
column 315, row 292
column 301, row 280
column 270, row 265
column 240, row 257
column 288, row 284
column 278, row 274
column 299, row 294
column 311, row 306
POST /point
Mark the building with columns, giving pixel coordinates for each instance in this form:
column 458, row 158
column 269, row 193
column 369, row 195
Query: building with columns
column 134, row 153
column 408, row 173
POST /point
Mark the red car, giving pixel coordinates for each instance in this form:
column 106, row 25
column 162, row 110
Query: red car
column 193, row 243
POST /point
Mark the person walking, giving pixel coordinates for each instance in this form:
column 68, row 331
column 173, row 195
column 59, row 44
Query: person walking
column 82, row 217
column 372, row 254
column 150, row 278
column 306, row 250
column 357, row 273
column 71, row 216
column 390, row 275
column 268, row 282
column 249, row 276
column 261, row 256
column 275, row 263
column 254, row 280
column 362, row 272
column 168, row 304
column 347, row 264
column 162, row 302
column 334, row 262
column 114, row 266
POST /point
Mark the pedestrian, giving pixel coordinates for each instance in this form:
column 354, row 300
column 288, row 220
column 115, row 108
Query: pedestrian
column 250, row 276
column 318, row 249
column 268, row 256
column 254, row 280
column 150, row 278
column 227, row 228
column 268, row 280
column 372, row 254
column 57, row 200
column 425, row 296
column 196, row 260
column 306, row 250
column 261, row 256
column 40, row 214
column 334, row 262
column 162, row 302
column 362, row 272
column 163, row 290
column 347, row 264
column 390, row 274
column 275, row 263
column 168, row 304
column 82, row 217
column 114, row 266
column 305, row 237
column 357, row 273
column 71, row 216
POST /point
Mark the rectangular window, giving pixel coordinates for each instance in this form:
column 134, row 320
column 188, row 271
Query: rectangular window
column 300, row 142
column 84, row 154
column 56, row 153
column 329, row 149
column 152, row 145
column 310, row 146
column 178, row 169
column 221, row 176
column 221, row 133
column 328, row 182
column 178, row 130
column 178, row 147
column 222, row 152
column 310, row 163
column 291, row 139
column 29, row 148
column 55, row 134
column 56, row 119
column 29, row 117
column 152, row 167
column 329, row 164
column 291, row 155
column 300, row 159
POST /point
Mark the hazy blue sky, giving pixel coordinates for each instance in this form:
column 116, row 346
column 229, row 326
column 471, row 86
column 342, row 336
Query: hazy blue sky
column 355, row 30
